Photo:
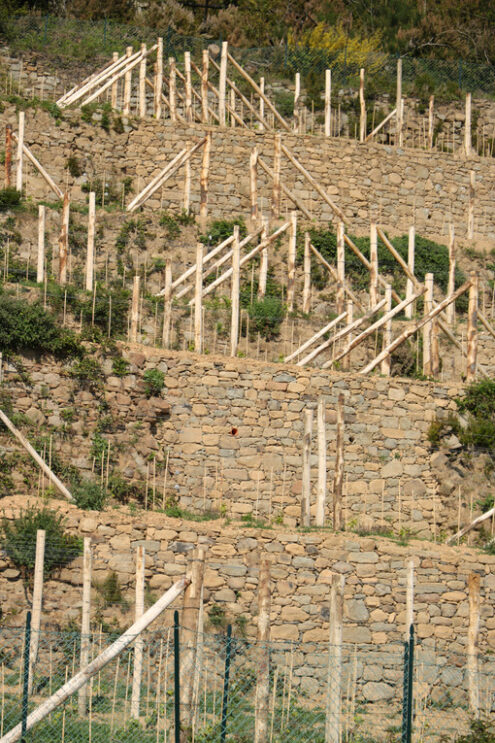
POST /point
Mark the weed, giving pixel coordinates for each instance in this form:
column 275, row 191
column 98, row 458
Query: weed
column 90, row 495
column 154, row 381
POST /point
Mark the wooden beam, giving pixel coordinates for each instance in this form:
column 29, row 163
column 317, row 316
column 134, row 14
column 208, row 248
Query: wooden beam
column 472, row 334
column 20, row 151
column 328, row 103
column 306, row 307
column 90, row 251
column 276, row 176
column 335, row 276
column 40, row 269
column 172, row 88
column 63, row 240
column 203, row 183
column 253, row 189
column 85, row 623
column 431, row 121
column 474, row 581
column 234, row 295
column 222, row 83
column 262, row 693
column 340, row 267
column 450, row 312
column 291, row 262
column 263, row 274
column 362, row 104
column 338, row 478
column 322, row 464
column 398, row 104
column 467, row 127
column 187, row 70
column 410, row 264
column 387, row 331
column 39, row 562
column 198, row 304
column 242, row 97
column 306, row 468
column 286, row 191
column 427, row 331
column 167, row 305
column 315, row 337
column 204, row 86
column 142, row 83
column 333, row 712
column 373, row 265
column 48, row 179
column 138, row 645
column 381, row 125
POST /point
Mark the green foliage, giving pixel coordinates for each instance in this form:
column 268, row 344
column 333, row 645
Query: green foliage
column 154, row 381
column 122, row 490
column 133, row 232
column 90, row 495
column 221, row 229
column 266, row 316
column 172, row 229
column 10, row 197
column 110, row 589
column 216, row 616
column 480, row 731
column 74, row 166
column 29, row 326
column 88, row 373
column 478, row 405
column 120, row 367
column 18, row 538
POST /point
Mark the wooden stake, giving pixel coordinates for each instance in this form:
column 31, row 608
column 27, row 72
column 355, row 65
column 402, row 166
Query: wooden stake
column 276, row 179
column 340, row 267
column 187, row 70
column 410, row 262
column 138, row 647
column 37, row 601
column 334, row 672
column 253, row 189
column 20, row 151
column 409, row 597
column 258, row 90
column 8, row 155
column 362, row 103
column 205, row 167
column 262, row 698
column 234, row 296
column 198, row 304
column 41, row 245
column 222, row 83
column 297, row 94
column 472, row 335
column 262, row 104
column 467, row 127
column 142, row 83
column 204, row 86
column 322, row 465
column 264, row 261
column 373, row 265
column 291, row 262
column 346, row 360
column 63, row 241
column 306, row 308
column 328, row 103
column 387, row 332
column 286, row 191
column 470, row 225
column 85, row 623
column 428, row 306
column 190, row 639
column 91, row 242
column 114, row 91
column 472, row 650
column 135, row 310
column 398, row 105
column 430, row 122
column 126, row 109
column 339, row 465
column 167, row 305
column 172, row 89
column 306, row 467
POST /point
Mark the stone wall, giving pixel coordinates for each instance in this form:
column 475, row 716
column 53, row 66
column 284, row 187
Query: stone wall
column 233, row 435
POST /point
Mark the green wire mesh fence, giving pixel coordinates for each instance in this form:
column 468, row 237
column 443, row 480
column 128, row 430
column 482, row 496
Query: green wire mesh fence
column 310, row 696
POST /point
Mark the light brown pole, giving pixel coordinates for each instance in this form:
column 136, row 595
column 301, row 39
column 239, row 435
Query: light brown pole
column 172, row 89
column 20, row 151
column 338, row 479
column 340, row 267
column 204, row 86
column 40, row 269
column 63, row 240
column 234, row 296
column 127, row 86
column 198, row 303
column 203, row 183
column 467, row 127
column 306, row 473
column 291, row 262
column 138, row 646
column 472, row 334
column 322, row 464
column 307, row 275
column 135, row 310
column 8, row 154
column 253, row 187
column 142, row 83
column 222, row 84
column 276, row 177
column 262, row 698
column 167, row 305
column 472, row 650
column 410, row 262
column 85, row 623
column 334, row 672
column 328, row 103
column 90, row 253
column 373, row 265
column 362, row 103
column 39, row 562
column 428, row 306
column 187, row 70
column 387, row 331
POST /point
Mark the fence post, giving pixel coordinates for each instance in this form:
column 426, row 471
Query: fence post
column 387, row 331
column 63, row 241
column 328, row 103
column 430, row 121
column 135, row 310
column 223, row 729
column 297, row 95
column 176, row 677
column 25, row 685
column 253, row 165
column 203, row 183
column 334, row 672
column 167, row 305
column 410, row 263
column 472, row 650
column 204, row 86
column 339, row 465
column 37, row 601
column 276, row 177
column 428, row 306
column 450, row 311
column 187, row 71
column 234, row 297
column 467, row 126
column 262, row 104
column 398, row 103
column 291, row 262
column 306, row 476
column 114, row 88
column 322, row 463
column 306, row 308
column 340, row 267
column 198, row 300
column 263, row 669
column 138, row 645
column 407, row 700
column 362, row 103
column 472, row 338
column 222, row 84
column 373, row 265
column 85, row 623
column 126, row 109
column 19, row 156
column 91, row 242
column 8, row 154
column 40, row 269
column 142, row 83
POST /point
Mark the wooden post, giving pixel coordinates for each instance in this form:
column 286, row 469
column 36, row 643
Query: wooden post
column 114, row 90
column 340, row 267
column 373, row 265
column 470, row 225
column 172, row 89
column 187, row 185
column 387, row 331
column 190, row 638
column 157, row 93
column 91, row 243
column 346, row 361
column 322, row 465
column 467, row 127
column 138, row 647
column 204, row 86
column 291, row 262
column 203, row 183
column 276, row 179
column 127, row 86
column 306, row 467
column 253, row 188
column 307, row 275
column 261, row 705
column 398, row 104
column 40, row 271
column 263, row 261
column 135, row 310
column 234, row 295
column 233, row 114
column 142, row 83
column 430, row 122
column 297, row 94
column 63, row 241
column 428, row 306
column 362, row 103
column 472, row 649
column 339, row 465
column 167, row 305
column 334, row 673
column 328, row 103
column 20, row 150
column 472, row 335
column 37, row 601
column 410, row 262
column 221, row 84
column 262, row 103
column 96, row 665
column 8, row 154
column 450, row 312
column 409, row 597
column 85, row 622
column 187, row 70
column 198, row 301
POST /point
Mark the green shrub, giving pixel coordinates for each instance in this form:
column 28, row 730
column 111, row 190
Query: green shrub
column 154, row 381
column 18, row 538
column 74, row 166
column 172, row 229
column 480, row 731
column 29, row 326
column 120, row 367
column 90, row 495
column 10, row 197
column 266, row 316
column 88, row 373
column 110, row 589
column 221, row 229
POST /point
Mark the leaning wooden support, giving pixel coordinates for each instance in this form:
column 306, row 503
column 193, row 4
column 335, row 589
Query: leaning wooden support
column 203, row 183
column 138, row 646
column 40, row 269
column 25, row 443
column 334, row 669
column 135, row 310
column 85, row 623
column 286, row 191
column 111, row 652
column 198, row 304
column 192, row 269
column 90, row 253
column 276, row 176
column 20, row 152
column 335, row 276
column 321, row 494
column 325, row 329
column 469, row 527
column 306, row 469
column 472, row 648
column 472, row 335
column 314, row 183
column 126, row 72
column 253, row 188
column 229, row 108
column 258, row 90
column 234, row 295
column 387, row 331
column 241, row 97
column 63, row 240
column 291, row 262
column 262, row 694
column 410, row 264
column 36, row 605
column 415, row 327
column 41, row 170
column 427, row 329
column 338, row 478
column 381, row 125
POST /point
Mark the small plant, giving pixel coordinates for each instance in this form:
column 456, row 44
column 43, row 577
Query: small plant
column 266, row 316
column 74, row 166
column 120, row 367
column 480, row 731
column 88, row 373
column 221, row 229
column 172, row 229
column 18, row 538
column 110, row 590
column 10, row 198
column 90, row 496
column 154, row 381
column 217, row 617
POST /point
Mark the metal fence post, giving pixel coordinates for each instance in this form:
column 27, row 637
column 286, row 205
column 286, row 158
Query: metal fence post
column 407, row 700
column 25, row 685
column 223, row 730
column 176, row 677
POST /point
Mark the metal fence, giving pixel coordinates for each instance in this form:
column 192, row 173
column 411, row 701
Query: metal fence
column 214, row 698
column 94, row 41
